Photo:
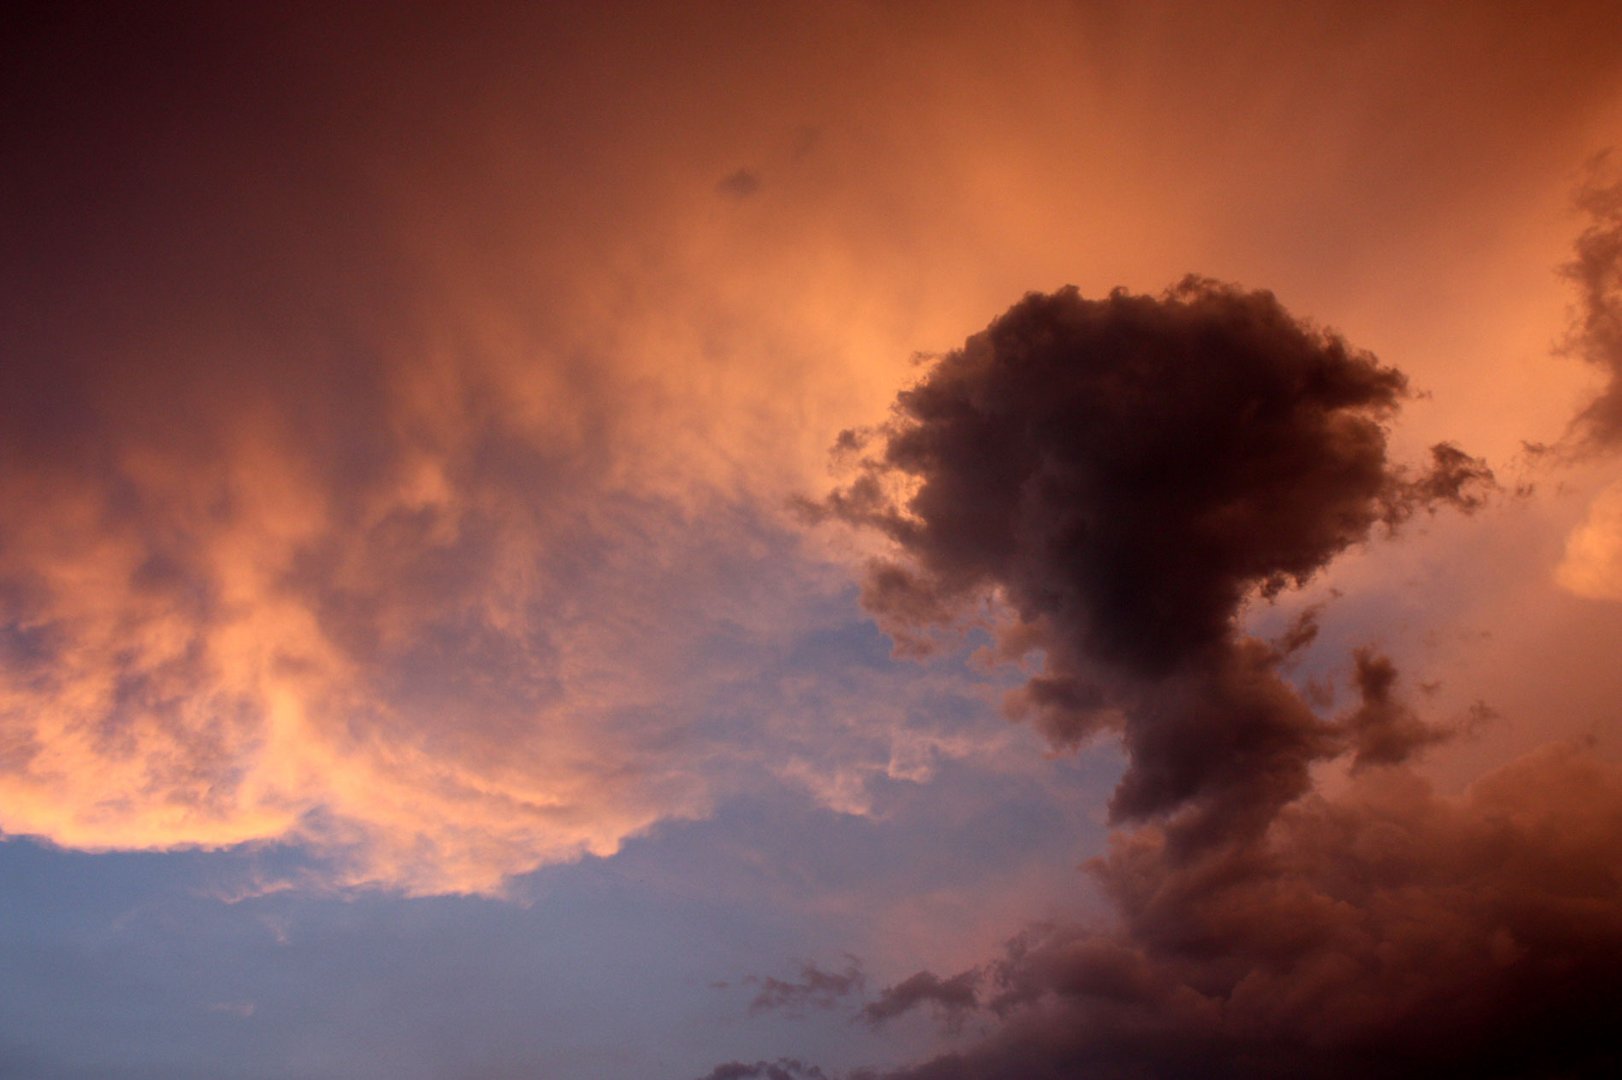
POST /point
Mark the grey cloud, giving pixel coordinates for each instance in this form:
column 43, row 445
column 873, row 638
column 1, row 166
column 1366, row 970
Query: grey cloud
column 1385, row 730
column 814, row 988
column 1596, row 270
column 1127, row 472
column 1390, row 932
column 740, row 184
column 781, row 1069
column 951, row 997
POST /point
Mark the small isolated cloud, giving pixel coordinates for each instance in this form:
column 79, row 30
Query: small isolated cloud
column 815, row 988
column 739, row 184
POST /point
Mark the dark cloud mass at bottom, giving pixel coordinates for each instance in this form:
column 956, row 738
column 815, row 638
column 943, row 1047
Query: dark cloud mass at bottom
column 1388, row 932
column 1126, row 473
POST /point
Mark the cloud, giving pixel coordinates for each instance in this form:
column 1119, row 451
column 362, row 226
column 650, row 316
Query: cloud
column 1454, row 479
column 353, row 461
column 781, row 1069
column 815, row 987
column 1124, row 476
column 418, row 669
column 739, row 184
column 1388, row 931
column 952, row 998
column 1384, row 729
column 1596, row 270
column 1592, row 564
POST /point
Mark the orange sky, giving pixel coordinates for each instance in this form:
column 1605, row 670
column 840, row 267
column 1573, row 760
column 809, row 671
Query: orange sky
column 408, row 416
column 404, row 412
column 376, row 344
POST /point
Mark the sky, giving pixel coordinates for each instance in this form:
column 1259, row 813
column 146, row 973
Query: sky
column 842, row 541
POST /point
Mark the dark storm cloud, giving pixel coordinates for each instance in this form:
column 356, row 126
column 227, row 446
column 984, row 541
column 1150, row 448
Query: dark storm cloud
column 1130, row 467
column 1390, row 932
column 1127, row 472
column 1597, row 272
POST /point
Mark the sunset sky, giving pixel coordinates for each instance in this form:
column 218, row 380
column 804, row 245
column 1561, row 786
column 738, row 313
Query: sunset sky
column 549, row 541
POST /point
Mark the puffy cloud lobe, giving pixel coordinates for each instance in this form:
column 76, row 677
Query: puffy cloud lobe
column 400, row 668
column 1389, row 931
column 1130, row 467
column 1125, row 473
column 1592, row 564
column 270, row 574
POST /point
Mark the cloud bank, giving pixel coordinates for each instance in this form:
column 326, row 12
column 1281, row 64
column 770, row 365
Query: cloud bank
column 354, row 459
column 1386, row 931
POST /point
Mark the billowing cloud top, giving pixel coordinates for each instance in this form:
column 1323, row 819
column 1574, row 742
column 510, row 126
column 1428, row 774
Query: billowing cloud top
column 1125, row 472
